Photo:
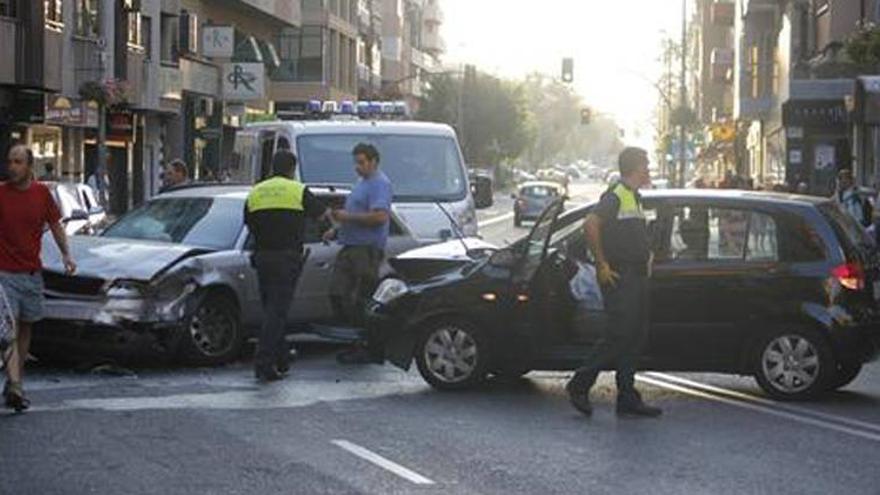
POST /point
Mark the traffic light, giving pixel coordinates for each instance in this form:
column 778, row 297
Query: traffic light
column 568, row 70
column 586, row 116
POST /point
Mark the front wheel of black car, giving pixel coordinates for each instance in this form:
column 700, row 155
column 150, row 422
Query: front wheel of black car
column 212, row 333
column 794, row 365
column 451, row 355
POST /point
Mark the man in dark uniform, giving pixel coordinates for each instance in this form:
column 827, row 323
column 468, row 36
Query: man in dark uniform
column 275, row 214
column 618, row 237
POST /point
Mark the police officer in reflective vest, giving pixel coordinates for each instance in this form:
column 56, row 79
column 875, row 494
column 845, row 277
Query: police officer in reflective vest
column 618, row 237
column 275, row 214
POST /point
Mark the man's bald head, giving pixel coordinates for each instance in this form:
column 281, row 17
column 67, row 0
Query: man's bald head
column 21, row 164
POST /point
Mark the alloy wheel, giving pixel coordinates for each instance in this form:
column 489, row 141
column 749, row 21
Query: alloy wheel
column 790, row 363
column 212, row 331
column 451, row 354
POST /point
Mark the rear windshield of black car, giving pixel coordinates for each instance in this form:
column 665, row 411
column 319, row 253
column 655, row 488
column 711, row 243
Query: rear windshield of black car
column 211, row 223
column 850, row 233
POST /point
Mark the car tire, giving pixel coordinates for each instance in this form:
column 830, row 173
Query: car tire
column 793, row 365
column 846, row 374
column 212, row 333
column 452, row 355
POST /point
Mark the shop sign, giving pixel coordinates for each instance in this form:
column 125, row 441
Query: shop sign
column 63, row 111
column 120, row 126
column 244, row 81
column 817, row 113
column 795, row 157
column 218, row 41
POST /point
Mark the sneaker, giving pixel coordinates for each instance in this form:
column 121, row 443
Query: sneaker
column 638, row 410
column 579, row 396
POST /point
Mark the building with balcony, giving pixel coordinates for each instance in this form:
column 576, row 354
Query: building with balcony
column 411, row 47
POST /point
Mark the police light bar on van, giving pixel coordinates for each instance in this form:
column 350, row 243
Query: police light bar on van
column 328, row 109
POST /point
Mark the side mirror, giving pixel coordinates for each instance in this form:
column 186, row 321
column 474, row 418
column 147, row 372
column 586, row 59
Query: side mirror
column 503, row 259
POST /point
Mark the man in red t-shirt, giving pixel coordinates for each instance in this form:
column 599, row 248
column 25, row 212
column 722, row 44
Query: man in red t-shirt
column 26, row 207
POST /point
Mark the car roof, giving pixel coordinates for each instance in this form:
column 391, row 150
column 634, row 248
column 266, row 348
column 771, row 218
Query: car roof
column 539, row 183
column 237, row 191
column 316, row 127
column 737, row 195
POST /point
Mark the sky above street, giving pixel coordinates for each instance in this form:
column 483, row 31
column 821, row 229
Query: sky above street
column 616, row 47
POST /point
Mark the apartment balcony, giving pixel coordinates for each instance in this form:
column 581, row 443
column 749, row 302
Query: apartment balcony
column 723, row 13
column 722, row 60
column 88, row 61
column 432, row 14
column 433, row 43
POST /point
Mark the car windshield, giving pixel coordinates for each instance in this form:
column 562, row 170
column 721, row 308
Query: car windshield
column 540, row 192
column 202, row 222
column 421, row 168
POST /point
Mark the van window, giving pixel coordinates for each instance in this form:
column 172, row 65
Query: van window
column 421, row 168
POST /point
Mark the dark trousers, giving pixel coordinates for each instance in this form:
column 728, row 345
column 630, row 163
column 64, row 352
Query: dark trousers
column 625, row 335
column 278, row 272
column 355, row 277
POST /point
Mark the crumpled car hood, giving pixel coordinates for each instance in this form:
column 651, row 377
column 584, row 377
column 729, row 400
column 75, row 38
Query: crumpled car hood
column 112, row 259
column 423, row 263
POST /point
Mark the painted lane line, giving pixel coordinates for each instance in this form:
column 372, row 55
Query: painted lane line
column 494, row 220
column 760, row 408
column 768, row 402
column 382, row 462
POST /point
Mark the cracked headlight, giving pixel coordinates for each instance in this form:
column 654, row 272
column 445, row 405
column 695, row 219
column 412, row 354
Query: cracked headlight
column 390, row 290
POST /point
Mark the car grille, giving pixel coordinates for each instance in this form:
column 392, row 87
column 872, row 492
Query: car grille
column 76, row 286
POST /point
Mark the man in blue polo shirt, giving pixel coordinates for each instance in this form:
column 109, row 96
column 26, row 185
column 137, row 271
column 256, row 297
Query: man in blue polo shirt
column 363, row 227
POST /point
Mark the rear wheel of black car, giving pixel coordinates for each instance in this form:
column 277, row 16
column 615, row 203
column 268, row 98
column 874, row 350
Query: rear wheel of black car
column 451, row 355
column 846, row 374
column 212, row 333
column 794, row 364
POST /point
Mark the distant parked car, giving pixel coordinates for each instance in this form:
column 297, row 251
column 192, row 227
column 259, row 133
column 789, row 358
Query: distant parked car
column 80, row 213
column 533, row 198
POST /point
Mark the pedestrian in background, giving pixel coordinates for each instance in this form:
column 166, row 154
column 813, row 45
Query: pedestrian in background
column 847, row 196
column 176, row 174
column 618, row 237
column 363, row 232
column 26, row 208
column 275, row 213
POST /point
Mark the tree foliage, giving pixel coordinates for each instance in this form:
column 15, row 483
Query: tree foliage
column 534, row 122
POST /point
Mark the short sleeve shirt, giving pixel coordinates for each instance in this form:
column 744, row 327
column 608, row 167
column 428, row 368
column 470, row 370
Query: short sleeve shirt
column 371, row 194
column 23, row 218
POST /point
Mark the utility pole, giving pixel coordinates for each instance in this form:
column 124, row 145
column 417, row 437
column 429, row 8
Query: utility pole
column 682, row 132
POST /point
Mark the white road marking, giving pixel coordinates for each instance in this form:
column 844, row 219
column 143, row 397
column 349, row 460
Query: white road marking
column 494, row 220
column 382, row 462
column 767, row 402
column 764, row 409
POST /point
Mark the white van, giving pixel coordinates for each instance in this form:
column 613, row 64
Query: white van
column 422, row 160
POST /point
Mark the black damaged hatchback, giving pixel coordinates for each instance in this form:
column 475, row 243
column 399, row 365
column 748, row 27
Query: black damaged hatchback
column 780, row 287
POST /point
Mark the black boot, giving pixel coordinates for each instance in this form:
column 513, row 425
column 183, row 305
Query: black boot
column 579, row 395
column 266, row 374
column 632, row 405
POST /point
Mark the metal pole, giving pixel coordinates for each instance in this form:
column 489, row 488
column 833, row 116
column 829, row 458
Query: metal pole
column 101, row 168
column 682, row 132
column 460, row 112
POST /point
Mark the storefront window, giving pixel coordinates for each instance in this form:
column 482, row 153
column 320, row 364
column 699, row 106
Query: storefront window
column 87, row 18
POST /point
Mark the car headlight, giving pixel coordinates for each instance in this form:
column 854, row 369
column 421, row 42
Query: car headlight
column 127, row 289
column 389, row 290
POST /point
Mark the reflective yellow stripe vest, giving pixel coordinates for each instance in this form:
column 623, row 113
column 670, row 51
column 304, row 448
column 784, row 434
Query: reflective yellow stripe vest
column 277, row 193
column 629, row 205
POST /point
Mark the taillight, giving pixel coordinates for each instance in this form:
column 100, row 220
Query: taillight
column 849, row 275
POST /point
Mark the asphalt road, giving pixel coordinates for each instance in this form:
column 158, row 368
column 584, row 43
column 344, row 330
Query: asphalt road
column 378, row 430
